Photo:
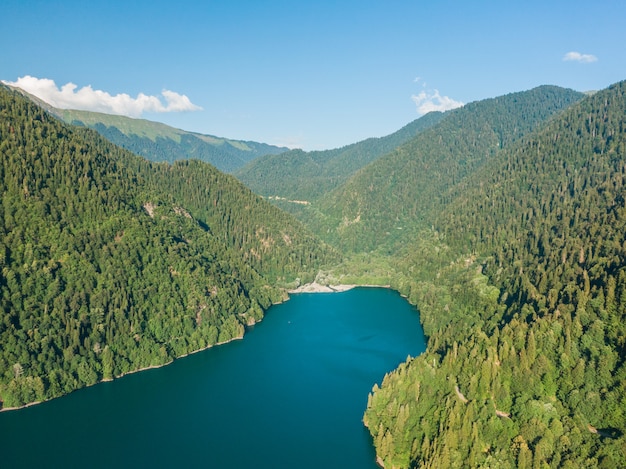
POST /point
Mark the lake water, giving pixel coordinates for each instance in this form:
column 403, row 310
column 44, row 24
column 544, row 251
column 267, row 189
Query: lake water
column 290, row 395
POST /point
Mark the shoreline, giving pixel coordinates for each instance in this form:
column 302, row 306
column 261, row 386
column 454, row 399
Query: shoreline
column 312, row 287
column 30, row 404
column 315, row 287
column 150, row 367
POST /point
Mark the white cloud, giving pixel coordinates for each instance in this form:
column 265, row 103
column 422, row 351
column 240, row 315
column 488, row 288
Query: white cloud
column 428, row 101
column 578, row 57
column 69, row 96
column 420, row 80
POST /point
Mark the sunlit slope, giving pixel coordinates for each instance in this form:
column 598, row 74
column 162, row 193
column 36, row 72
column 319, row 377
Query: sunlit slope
column 110, row 263
column 528, row 371
column 160, row 142
column 388, row 199
column 305, row 176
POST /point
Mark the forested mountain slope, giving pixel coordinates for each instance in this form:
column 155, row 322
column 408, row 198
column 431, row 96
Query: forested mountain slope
column 305, row 176
column 384, row 202
column 110, row 263
column 160, row 142
column 528, row 371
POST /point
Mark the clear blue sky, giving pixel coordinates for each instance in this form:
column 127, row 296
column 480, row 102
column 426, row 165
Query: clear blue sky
column 310, row 74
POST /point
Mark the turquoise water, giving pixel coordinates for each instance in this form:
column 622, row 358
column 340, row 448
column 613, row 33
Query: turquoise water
column 290, row 395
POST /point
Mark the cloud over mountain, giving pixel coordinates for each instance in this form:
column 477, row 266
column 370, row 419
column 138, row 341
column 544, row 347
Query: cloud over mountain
column 578, row 57
column 428, row 101
column 69, row 96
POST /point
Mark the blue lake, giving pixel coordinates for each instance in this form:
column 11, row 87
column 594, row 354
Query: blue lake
column 291, row 394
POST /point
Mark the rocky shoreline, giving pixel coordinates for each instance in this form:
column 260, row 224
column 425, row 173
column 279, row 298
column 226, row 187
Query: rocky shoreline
column 315, row 287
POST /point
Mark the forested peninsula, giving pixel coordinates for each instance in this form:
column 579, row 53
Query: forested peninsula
column 503, row 221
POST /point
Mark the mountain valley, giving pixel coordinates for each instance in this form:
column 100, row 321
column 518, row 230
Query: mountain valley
column 503, row 221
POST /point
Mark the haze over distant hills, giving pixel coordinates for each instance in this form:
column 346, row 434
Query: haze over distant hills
column 159, row 142
column 306, row 176
column 503, row 221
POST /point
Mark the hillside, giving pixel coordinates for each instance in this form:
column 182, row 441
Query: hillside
column 385, row 202
column 523, row 295
column 503, row 222
column 111, row 263
column 159, row 142
column 305, row 176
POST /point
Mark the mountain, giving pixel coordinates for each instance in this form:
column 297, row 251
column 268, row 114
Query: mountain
column 388, row 199
column 504, row 223
column 159, row 142
column 523, row 295
column 110, row 263
column 304, row 176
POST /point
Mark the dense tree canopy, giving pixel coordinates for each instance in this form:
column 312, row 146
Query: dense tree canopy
column 504, row 222
column 527, row 372
column 159, row 142
column 306, row 176
column 110, row 263
column 385, row 202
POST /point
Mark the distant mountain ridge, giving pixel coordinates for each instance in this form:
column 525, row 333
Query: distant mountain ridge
column 306, row 176
column 159, row 142
column 403, row 189
column 156, row 141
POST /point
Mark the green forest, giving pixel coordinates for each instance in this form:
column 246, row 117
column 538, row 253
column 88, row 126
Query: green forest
column 503, row 221
column 307, row 176
column 526, row 319
column 111, row 263
column 386, row 202
column 159, row 142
